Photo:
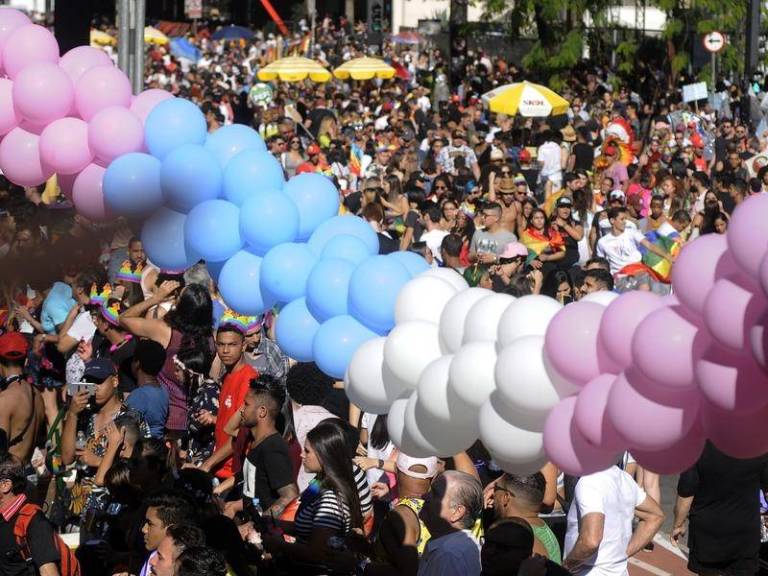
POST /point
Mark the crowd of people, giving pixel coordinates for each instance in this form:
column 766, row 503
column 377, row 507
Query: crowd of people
column 156, row 431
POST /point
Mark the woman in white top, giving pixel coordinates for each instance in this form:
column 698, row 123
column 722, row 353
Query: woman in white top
column 376, row 453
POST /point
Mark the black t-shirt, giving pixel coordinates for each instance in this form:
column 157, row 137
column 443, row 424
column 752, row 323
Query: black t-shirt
column 413, row 220
column 584, row 156
column 387, row 245
column 725, row 513
column 41, row 543
column 266, row 469
column 354, row 202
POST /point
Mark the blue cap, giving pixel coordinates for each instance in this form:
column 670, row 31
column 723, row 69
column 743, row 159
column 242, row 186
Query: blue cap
column 99, row 369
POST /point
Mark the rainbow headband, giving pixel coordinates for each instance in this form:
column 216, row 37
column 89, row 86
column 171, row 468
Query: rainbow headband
column 128, row 273
column 97, row 297
column 242, row 323
column 111, row 313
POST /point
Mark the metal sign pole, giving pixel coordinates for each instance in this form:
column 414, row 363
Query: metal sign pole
column 123, row 35
column 137, row 79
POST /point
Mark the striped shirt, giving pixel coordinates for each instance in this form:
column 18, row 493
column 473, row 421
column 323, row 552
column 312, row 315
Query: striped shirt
column 363, row 490
column 326, row 510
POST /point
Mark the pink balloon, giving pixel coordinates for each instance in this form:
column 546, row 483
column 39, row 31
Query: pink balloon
column 20, row 158
column 66, row 182
column 666, row 345
column 145, row 102
column 113, row 132
column 27, row 45
column 64, row 146
column 747, row 233
column 87, row 194
column 567, row 448
column 732, row 308
column 570, row 344
column 678, row 458
column 697, row 267
column 42, row 93
column 742, row 435
column 757, row 341
column 10, row 20
column 9, row 118
column 763, row 273
column 620, row 319
column 732, row 380
column 645, row 420
column 591, row 418
column 100, row 88
column 79, row 60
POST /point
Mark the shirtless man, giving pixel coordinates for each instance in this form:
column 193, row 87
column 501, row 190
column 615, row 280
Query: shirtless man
column 21, row 408
column 510, row 206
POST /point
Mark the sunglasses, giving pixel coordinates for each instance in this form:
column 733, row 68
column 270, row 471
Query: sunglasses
column 441, row 188
column 506, row 172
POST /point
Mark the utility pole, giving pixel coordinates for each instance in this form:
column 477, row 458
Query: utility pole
column 131, row 15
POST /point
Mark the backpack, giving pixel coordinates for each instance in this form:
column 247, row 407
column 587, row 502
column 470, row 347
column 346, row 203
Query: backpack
column 68, row 565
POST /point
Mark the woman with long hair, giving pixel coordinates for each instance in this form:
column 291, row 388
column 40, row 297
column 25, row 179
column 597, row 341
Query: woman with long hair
column 329, row 507
column 546, row 245
column 186, row 326
column 294, row 157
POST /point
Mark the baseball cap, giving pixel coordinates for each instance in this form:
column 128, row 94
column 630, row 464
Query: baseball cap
column 513, row 250
column 405, row 464
column 459, row 134
column 313, row 150
column 98, row 370
column 13, row 346
column 524, row 156
column 565, row 201
column 617, row 195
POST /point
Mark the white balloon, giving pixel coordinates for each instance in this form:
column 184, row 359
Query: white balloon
column 364, row 383
column 471, row 378
column 603, row 297
column 524, row 383
column 482, row 321
column 444, row 425
column 563, row 386
column 451, row 276
column 414, row 442
column 455, row 314
column 515, row 449
column 423, row 298
column 393, row 386
column 527, row 316
column 522, row 468
column 408, row 350
column 396, row 421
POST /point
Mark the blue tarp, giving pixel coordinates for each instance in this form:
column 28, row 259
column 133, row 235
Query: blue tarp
column 183, row 48
column 233, row 33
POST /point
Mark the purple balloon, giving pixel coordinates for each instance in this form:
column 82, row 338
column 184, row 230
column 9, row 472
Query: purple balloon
column 115, row 131
column 570, row 344
column 741, row 435
column 79, row 60
column 748, row 234
column 698, row 266
column 87, row 194
column 9, row 118
column 64, row 146
column 145, row 102
column 27, row 45
column 732, row 380
column 646, row 421
column 20, row 158
column 42, row 93
column 666, row 345
column 732, row 307
column 679, row 457
column 757, row 341
column 620, row 319
column 100, row 88
column 10, row 20
column 591, row 417
column 567, row 448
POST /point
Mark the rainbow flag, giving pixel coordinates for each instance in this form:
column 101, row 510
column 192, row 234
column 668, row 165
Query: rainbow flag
column 661, row 267
column 355, row 159
column 537, row 242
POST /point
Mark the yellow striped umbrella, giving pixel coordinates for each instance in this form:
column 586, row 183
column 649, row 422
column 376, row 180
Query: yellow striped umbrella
column 294, row 69
column 525, row 99
column 364, row 68
column 99, row 38
column 154, row 36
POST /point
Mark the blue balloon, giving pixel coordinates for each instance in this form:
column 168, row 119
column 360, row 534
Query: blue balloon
column 414, row 263
column 267, row 220
column 344, row 225
column 295, row 330
column 214, row 269
column 163, row 240
column 335, row 343
column 239, row 284
column 213, row 230
column 285, row 271
column 228, row 141
column 328, row 287
column 173, row 123
column 346, row 247
column 132, row 185
column 316, row 198
column 373, row 290
column 190, row 175
column 250, row 173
